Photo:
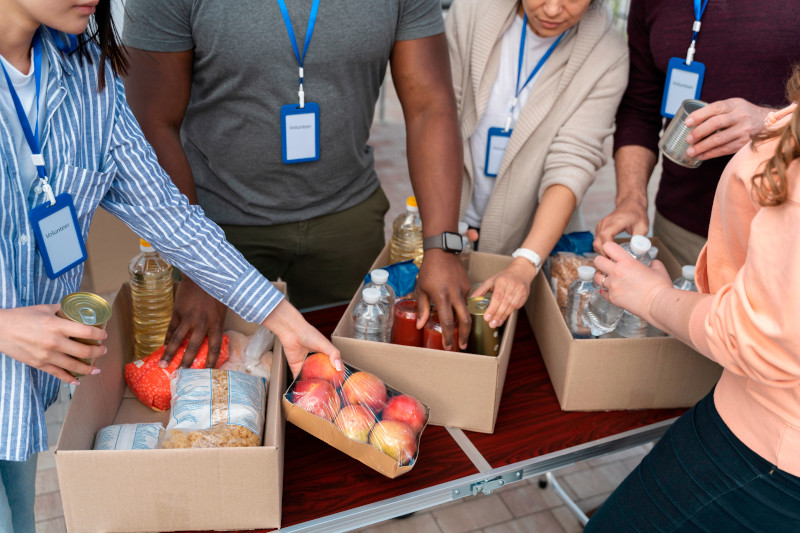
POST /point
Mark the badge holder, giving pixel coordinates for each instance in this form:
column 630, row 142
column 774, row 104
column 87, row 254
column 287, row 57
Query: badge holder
column 300, row 133
column 496, row 145
column 57, row 235
column 684, row 82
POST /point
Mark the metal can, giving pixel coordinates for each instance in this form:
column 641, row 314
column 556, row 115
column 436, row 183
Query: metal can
column 85, row 308
column 483, row 339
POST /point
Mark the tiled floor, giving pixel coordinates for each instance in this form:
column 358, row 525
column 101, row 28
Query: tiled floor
column 517, row 508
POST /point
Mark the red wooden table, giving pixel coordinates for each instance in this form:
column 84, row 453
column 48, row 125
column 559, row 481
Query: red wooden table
column 324, row 490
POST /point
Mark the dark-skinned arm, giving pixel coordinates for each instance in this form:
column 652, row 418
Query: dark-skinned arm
column 158, row 85
column 421, row 75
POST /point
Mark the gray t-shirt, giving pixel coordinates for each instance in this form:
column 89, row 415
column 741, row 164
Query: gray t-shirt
column 245, row 70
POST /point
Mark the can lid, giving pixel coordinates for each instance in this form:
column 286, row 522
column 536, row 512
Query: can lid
column 640, row 244
column 86, row 308
column 379, row 276
column 687, row 271
column 371, row 295
column 586, row 272
column 145, row 246
column 411, row 204
column 463, row 227
column 478, row 305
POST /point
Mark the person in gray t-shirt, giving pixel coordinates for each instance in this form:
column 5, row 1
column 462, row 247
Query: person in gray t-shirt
column 207, row 82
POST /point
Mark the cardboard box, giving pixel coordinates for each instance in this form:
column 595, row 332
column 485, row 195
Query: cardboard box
column 462, row 390
column 610, row 374
column 109, row 249
column 329, row 433
column 163, row 490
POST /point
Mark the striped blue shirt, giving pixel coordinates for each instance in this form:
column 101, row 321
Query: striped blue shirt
column 94, row 150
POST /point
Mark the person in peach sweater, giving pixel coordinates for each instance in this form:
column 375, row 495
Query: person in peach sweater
column 732, row 462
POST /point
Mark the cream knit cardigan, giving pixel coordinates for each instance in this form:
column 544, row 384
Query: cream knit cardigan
column 559, row 136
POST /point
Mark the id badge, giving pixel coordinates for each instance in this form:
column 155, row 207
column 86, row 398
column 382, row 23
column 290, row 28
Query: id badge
column 300, row 133
column 684, row 82
column 496, row 145
column 58, row 235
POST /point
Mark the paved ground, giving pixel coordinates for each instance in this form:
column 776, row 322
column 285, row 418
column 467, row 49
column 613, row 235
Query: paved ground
column 523, row 507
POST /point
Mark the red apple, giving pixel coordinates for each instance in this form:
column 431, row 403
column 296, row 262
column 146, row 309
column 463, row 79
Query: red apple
column 365, row 389
column 318, row 397
column 318, row 366
column 406, row 409
column 396, row 439
column 356, row 422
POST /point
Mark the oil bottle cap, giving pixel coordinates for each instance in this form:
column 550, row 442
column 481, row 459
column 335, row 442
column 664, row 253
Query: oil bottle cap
column 586, row 272
column 640, row 244
column 371, row 295
column 411, row 204
column 145, row 246
column 379, row 276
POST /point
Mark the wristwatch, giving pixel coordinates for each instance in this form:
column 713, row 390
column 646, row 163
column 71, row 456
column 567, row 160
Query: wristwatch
column 528, row 254
column 447, row 241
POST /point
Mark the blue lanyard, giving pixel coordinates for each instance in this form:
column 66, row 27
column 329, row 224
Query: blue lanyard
column 312, row 20
column 535, row 70
column 699, row 9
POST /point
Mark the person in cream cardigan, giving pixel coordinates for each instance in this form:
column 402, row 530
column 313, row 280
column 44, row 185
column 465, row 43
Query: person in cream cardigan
column 537, row 84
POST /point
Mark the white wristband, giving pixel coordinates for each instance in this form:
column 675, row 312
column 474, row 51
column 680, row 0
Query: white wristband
column 528, row 254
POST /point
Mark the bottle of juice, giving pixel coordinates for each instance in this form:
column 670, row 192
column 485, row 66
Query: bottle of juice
column 151, row 292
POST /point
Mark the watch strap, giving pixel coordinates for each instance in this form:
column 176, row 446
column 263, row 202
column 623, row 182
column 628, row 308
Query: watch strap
column 528, row 254
column 440, row 241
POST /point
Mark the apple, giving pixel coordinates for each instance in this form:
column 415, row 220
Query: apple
column 318, row 397
column 406, row 409
column 362, row 388
column 396, row 439
column 355, row 421
column 318, row 366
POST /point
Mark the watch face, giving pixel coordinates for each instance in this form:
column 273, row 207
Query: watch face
column 452, row 242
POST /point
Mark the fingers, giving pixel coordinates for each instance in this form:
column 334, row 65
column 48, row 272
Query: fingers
column 423, row 309
column 706, row 112
column 447, row 322
column 464, row 323
column 214, row 345
column 173, row 343
column 726, row 149
column 192, row 347
column 472, row 234
column 659, row 267
column 484, row 287
column 60, row 373
column 68, row 328
column 169, row 351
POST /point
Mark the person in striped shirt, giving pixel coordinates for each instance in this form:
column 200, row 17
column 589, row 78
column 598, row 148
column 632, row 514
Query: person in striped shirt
column 93, row 150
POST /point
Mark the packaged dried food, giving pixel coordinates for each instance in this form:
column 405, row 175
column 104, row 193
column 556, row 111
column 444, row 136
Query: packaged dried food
column 215, row 408
column 129, row 437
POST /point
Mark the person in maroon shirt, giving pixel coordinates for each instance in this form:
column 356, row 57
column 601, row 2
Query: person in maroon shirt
column 748, row 49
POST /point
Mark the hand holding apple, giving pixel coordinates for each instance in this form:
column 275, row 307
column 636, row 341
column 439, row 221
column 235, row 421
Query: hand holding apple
column 318, row 366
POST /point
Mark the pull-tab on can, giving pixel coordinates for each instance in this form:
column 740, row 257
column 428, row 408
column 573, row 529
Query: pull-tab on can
column 483, row 339
column 85, row 308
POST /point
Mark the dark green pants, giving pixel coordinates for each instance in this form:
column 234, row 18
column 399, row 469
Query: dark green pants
column 323, row 259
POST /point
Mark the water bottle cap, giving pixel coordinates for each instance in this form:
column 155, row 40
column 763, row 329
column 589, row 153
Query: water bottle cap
column 411, row 204
column 586, row 272
column 145, row 246
column 687, row 271
column 371, row 295
column 463, row 227
column 640, row 244
column 379, row 276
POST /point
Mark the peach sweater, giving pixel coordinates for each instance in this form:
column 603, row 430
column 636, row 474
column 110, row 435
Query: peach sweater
column 751, row 324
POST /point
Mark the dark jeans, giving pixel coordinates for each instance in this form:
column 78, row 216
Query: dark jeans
column 322, row 260
column 700, row 477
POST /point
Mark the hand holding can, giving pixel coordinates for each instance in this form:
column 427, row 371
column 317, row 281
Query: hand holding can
column 85, row 308
column 673, row 142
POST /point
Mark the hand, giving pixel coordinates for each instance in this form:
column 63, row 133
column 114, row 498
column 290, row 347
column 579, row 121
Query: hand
column 723, row 127
column 298, row 337
column 37, row 337
column 442, row 279
column 630, row 216
column 510, row 289
column 197, row 314
column 631, row 284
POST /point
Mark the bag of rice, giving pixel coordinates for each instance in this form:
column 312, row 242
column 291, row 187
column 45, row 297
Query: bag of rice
column 128, row 437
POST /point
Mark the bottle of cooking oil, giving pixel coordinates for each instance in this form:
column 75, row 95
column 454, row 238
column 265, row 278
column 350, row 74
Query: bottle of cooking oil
column 151, row 291
column 407, row 235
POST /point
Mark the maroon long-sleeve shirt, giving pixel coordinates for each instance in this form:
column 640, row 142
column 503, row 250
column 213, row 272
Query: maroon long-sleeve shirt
column 748, row 48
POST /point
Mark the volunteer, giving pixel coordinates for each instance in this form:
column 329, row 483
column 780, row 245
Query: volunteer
column 735, row 55
column 68, row 143
column 214, row 85
column 732, row 462
column 537, row 84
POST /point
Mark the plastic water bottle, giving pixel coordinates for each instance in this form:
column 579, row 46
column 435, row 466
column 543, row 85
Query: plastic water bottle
column 370, row 317
column 686, row 281
column 578, row 295
column 380, row 277
column 407, row 235
column 631, row 326
column 151, row 292
column 601, row 315
column 466, row 245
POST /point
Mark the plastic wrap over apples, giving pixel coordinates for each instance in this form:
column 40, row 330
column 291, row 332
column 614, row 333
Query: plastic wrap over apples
column 361, row 406
column 250, row 354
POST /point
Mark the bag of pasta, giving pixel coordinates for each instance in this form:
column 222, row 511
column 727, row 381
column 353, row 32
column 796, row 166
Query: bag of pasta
column 215, row 408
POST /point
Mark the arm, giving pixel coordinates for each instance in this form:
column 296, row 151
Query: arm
column 723, row 127
column 158, row 86
column 421, row 73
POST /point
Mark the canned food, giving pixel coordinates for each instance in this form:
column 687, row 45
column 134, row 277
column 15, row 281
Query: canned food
column 85, row 308
column 483, row 339
column 404, row 327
